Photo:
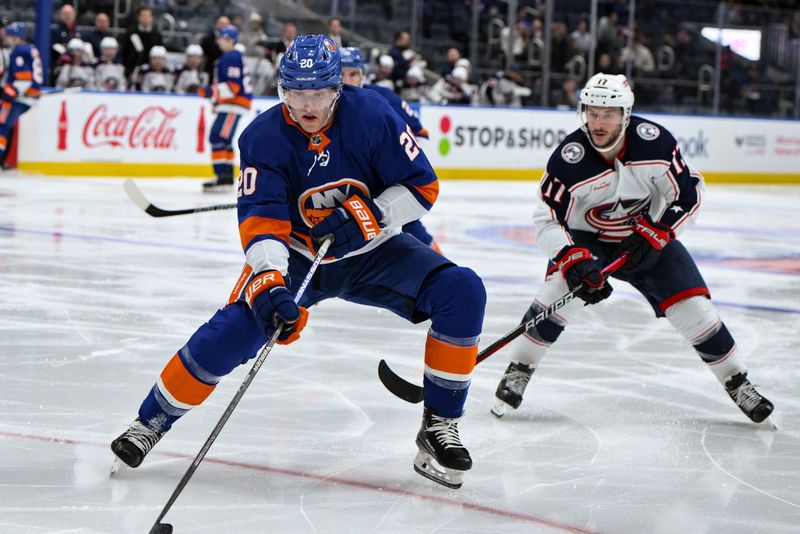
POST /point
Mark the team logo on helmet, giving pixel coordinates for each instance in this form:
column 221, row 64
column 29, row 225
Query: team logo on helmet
column 318, row 202
column 330, row 45
column 573, row 152
column 648, row 131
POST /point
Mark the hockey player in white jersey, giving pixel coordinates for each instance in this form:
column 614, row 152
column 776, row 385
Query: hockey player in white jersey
column 619, row 185
column 109, row 72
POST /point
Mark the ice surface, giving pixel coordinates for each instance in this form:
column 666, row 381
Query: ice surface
column 623, row 429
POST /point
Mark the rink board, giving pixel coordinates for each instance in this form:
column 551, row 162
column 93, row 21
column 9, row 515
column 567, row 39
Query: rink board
column 133, row 134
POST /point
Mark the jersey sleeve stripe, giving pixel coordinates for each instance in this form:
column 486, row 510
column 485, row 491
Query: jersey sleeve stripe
column 429, row 192
column 254, row 226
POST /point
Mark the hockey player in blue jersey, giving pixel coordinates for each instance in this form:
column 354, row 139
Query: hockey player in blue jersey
column 23, row 84
column 331, row 160
column 232, row 96
column 619, row 185
column 353, row 73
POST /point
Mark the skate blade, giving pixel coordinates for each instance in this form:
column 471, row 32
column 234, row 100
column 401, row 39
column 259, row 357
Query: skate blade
column 425, row 465
column 500, row 409
column 769, row 424
column 115, row 467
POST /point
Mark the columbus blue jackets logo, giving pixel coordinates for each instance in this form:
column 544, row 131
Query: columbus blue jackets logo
column 318, row 202
column 572, row 152
column 648, row 131
column 617, row 217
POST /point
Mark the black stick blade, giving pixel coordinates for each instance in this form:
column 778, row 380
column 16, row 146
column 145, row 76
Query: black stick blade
column 161, row 528
column 398, row 386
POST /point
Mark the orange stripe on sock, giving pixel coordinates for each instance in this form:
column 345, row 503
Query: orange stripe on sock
column 182, row 385
column 448, row 358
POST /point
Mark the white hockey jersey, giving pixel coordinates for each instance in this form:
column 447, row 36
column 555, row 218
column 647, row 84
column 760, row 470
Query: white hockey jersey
column 188, row 80
column 110, row 76
column 581, row 190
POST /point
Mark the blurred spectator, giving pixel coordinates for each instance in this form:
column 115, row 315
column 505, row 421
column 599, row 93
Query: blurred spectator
column 581, row 38
column 504, row 89
column 210, row 47
column 5, row 51
column 606, row 64
column 416, row 88
column 335, row 32
column 748, row 89
column 189, row 77
column 453, row 55
column 155, row 76
column 607, row 40
column 254, row 34
column 454, row 88
column 561, row 51
column 464, row 62
column 139, row 40
column 383, row 76
column 263, row 70
column 76, row 71
column 102, row 24
column 288, row 33
column 640, row 56
column 401, row 54
column 66, row 29
column 567, row 97
column 109, row 73
column 518, row 41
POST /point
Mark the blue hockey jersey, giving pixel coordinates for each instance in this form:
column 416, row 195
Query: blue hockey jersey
column 25, row 76
column 232, row 86
column 290, row 180
column 400, row 107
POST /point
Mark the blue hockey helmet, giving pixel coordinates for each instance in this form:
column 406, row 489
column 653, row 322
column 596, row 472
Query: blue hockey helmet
column 311, row 62
column 351, row 57
column 16, row 29
column 230, row 32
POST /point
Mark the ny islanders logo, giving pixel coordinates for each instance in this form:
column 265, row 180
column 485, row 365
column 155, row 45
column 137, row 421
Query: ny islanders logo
column 317, row 203
column 614, row 221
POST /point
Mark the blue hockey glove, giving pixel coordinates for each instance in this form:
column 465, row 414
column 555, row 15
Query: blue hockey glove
column 645, row 244
column 352, row 225
column 579, row 267
column 273, row 304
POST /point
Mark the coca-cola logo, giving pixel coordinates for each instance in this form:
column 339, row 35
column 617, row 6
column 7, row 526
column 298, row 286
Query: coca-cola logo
column 151, row 129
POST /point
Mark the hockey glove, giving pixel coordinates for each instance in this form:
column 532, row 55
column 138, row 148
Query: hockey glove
column 579, row 267
column 352, row 225
column 645, row 244
column 272, row 304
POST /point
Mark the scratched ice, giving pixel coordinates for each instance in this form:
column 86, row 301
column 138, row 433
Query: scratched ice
column 623, row 429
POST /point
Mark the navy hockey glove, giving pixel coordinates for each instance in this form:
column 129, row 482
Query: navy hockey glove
column 352, row 225
column 273, row 304
column 645, row 244
column 579, row 267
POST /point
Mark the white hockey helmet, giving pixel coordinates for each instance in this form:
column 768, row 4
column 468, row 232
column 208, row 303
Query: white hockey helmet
column 158, row 51
column 194, row 50
column 109, row 42
column 606, row 91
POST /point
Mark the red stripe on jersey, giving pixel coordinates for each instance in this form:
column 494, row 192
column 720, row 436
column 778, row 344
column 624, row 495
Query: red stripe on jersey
column 253, row 227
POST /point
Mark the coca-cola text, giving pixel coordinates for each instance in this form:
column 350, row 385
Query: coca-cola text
column 150, row 129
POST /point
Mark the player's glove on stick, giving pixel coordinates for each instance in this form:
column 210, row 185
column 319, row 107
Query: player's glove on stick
column 273, row 304
column 579, row 267
column 352, row 225
column 645, row 244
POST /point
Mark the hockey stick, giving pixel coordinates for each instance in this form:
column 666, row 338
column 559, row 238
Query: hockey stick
column 140, row 200
column 166, row 528
column 413, row 393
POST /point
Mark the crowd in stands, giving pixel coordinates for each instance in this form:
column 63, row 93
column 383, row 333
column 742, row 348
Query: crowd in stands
column 140, row 58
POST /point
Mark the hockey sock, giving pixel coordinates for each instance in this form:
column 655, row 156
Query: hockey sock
column 448, row 372
column 698, row 321
column 181, row 386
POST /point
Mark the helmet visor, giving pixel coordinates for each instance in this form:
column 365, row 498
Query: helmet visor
column 309, row 98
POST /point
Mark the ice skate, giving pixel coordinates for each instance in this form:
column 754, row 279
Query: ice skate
column 751, row 402
column 133, row 445
column 441, row 457
column 222, row 184
column 512, row 386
